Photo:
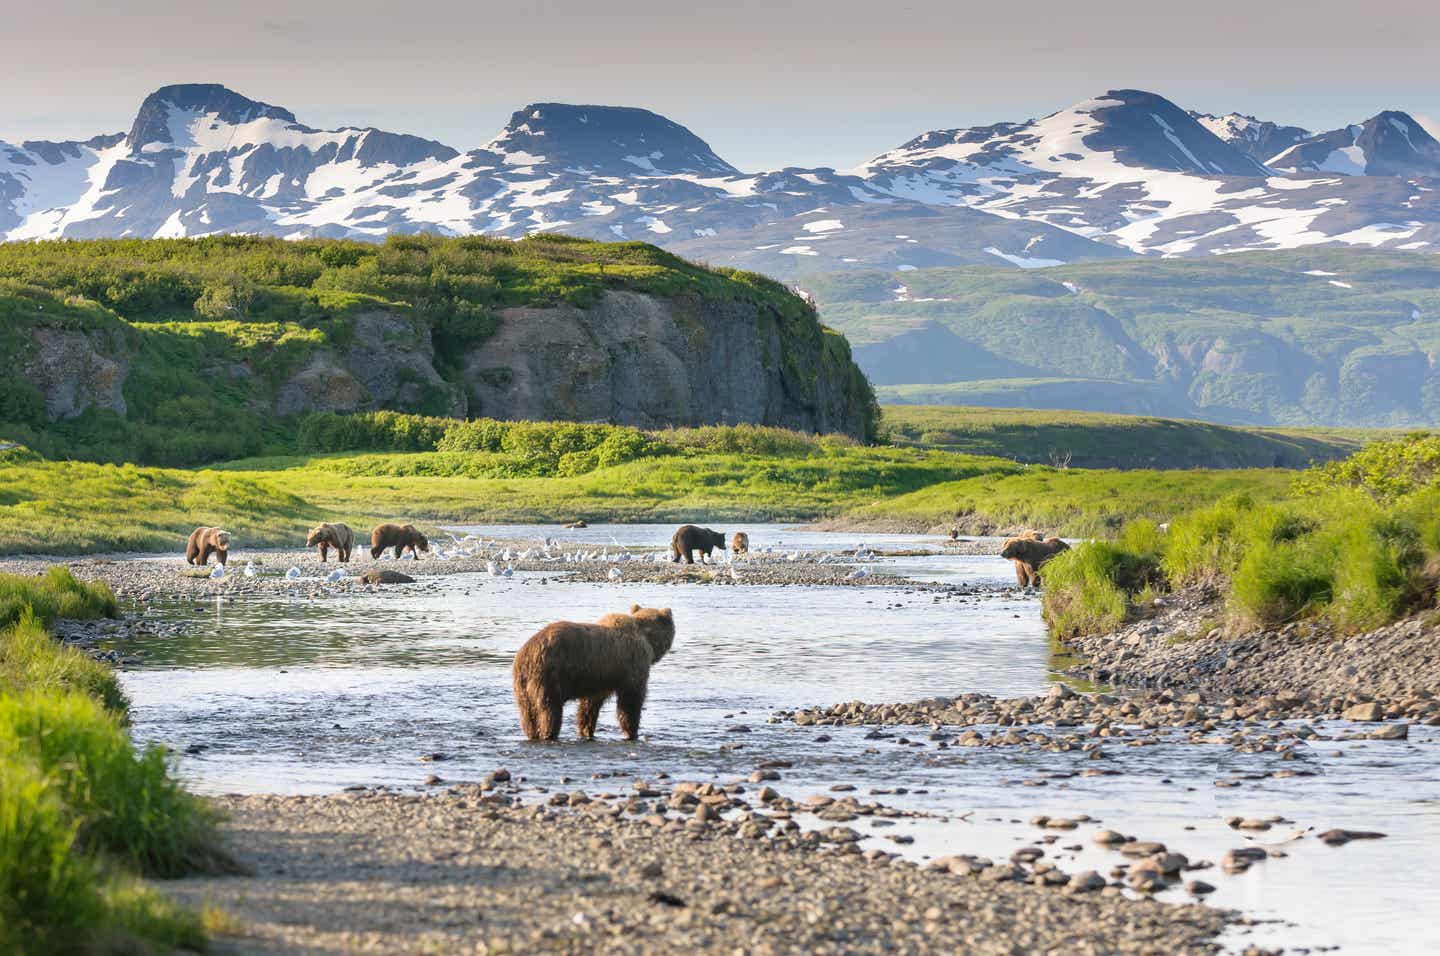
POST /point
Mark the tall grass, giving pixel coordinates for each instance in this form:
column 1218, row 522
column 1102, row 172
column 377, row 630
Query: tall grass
column 126, row 804
column 30, row 659
column 54, row 594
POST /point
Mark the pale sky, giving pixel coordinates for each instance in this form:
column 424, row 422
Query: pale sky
column 767, row 83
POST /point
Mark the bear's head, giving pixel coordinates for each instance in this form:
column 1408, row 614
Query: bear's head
column 418, row 539
column 657, row 626
column 1019, row 549
column 222, row 539
column 717, row 539
column 317, row 534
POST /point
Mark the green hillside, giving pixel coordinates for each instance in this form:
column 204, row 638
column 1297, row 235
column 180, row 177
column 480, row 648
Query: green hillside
column 1308, row 337
column 1099, row 440
column 183, row 351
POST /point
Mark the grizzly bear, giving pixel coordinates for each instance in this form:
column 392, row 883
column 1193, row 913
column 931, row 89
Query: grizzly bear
column 588, row 662
column 1029, row 553
column 577, row 524
column 399, row 537
column 205, row 542
column 377, row 576
column 689, row 538
column 740, row 543
column 327, row 536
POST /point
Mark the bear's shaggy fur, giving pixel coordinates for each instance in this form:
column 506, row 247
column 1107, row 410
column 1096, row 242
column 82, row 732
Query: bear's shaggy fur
column 205, row 542
column 399, row 537
column 385, row 576
column 577, row 523
column 589, row 662
column 1028, row 553
column 690, row 538
column 327, row 536
column 740, row 543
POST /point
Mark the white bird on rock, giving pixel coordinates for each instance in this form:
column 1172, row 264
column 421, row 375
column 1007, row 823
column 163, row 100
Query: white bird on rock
column 249, row 570
column 337, row 575
column 492, row 569
column 293, row 574
column 614, row 574
column 857, row 574
column 218, row 573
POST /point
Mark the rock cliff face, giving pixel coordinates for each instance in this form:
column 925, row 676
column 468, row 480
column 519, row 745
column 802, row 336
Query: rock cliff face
column 638, row 360
column 631, row 358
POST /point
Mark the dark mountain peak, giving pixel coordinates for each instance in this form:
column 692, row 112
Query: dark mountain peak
column 1390, row 143
column 1145, row 129
column 611, row 139
column 1257, row 138
column 152, row 123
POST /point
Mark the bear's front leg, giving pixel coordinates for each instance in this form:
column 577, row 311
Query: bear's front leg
column 1022, row 575
column 324, row 550
column 205, row 556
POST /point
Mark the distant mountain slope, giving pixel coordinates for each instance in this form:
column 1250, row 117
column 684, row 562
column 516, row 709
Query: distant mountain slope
column 1306, row 337
column 1122, row 174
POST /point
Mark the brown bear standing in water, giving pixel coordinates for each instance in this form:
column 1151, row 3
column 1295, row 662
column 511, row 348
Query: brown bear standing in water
column 205, row 542
column 327, row 536
column 399, row 537
column 740, row 543
column 1029, row 552
column 690, row 538
column 588, row 662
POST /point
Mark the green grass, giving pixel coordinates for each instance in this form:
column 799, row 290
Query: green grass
column 721, row 474
column 1101, row 440
column 1331, row 550
column 82, row 812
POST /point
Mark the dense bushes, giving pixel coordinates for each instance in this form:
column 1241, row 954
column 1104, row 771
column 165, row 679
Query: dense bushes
column 1359, row 546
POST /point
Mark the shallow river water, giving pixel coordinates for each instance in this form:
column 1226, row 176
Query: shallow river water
column 279, row 693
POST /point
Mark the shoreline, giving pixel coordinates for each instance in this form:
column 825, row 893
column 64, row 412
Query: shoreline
column 465, row 871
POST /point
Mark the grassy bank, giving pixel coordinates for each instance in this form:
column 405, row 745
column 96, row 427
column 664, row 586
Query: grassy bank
column 442, row 471
column 1356, row 543
column 1099, row 440
column 83, row 814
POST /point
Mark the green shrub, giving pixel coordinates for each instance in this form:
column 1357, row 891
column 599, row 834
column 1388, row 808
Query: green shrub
column 126, row 805
column 57, row 898
column 1384, row 470
column 54, row 594
column 1085, row 588
column 1276, row 585
column 31, row 659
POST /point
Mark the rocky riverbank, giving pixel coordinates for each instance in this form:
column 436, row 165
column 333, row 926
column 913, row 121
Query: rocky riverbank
column 467, row 871
column 1390, row 672
column 301, row 572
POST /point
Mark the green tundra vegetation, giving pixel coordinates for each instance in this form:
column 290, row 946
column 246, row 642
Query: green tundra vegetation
column 1299, row 337
column 1355, row 543
column 190, row 312
column 1100, row 440
column 83, row 813
column 372, row 467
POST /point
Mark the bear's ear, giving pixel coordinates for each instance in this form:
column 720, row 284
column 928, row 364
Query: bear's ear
column 665, row 612
column 634, row 608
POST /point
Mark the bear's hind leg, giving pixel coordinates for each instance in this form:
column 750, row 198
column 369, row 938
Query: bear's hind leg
column 551, row 713
column 628, row 704
column 588, row 714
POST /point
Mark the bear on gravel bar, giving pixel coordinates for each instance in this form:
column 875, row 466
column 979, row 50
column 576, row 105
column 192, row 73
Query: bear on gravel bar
column 327, row 536
column 567, row 661
column 690, row 538
column 399, row 537
column 205, row 542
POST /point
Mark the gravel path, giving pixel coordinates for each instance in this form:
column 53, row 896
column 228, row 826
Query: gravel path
column 458, row 872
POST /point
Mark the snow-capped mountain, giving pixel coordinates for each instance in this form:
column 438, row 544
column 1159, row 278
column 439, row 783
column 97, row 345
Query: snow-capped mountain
column 1387, row 144
column 1259, row 139
column 1126, row 173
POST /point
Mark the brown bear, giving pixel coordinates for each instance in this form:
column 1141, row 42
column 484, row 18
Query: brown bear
column 377, row 576
column 399, row 537
column 327, row 536
column 576, row 524
column 740, row 543
column 588, row 662
column 690, row 538
column 205, row 542
column 1029, row 553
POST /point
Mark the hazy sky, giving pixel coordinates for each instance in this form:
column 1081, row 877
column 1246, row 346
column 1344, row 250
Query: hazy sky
column 766, row 82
